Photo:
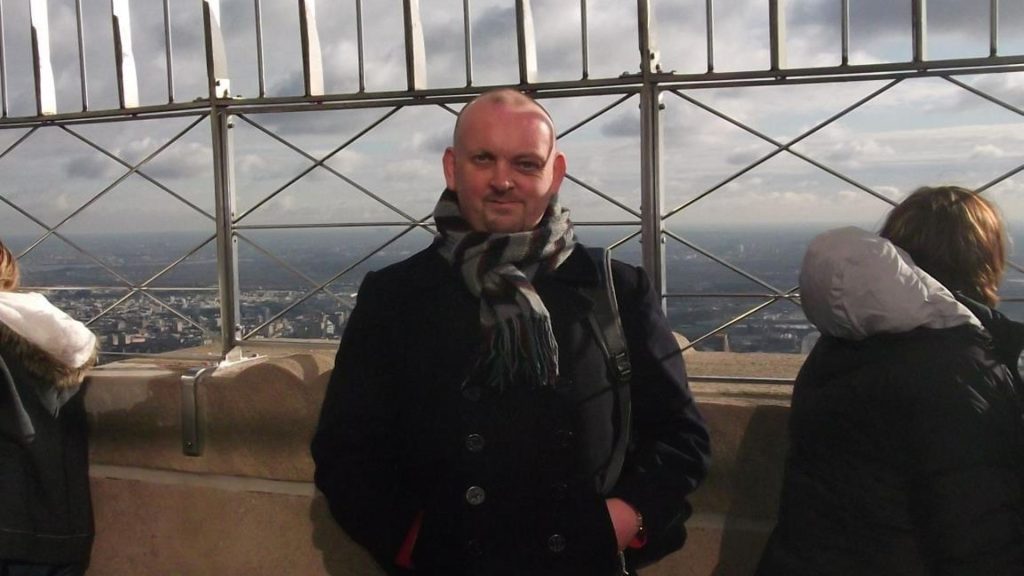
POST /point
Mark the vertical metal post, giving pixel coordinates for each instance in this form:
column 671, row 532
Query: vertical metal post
column 584, row 40
column 651, row 207
column 46, row 94
column 993, row 26
column 467, row 36
column 845, row 15
column 777, row 25
column 124, row 58
column 260, row 72
column 359, row 45
column 920, row 24
column 223, row 177
column 415, row 54
column 709, row 27
column 219, row 85
column 169, row 51
column 81, row 55
column 312, row 63
column 3, row 65
column 526, row 42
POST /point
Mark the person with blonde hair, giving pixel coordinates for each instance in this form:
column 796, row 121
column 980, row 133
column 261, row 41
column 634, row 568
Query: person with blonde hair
column 46, row 523
column 906, row 437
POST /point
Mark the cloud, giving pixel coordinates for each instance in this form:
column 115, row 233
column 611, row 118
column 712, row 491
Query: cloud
column 987, row 151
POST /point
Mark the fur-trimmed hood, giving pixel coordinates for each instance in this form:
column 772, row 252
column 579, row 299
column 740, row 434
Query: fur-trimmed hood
column 49, row 343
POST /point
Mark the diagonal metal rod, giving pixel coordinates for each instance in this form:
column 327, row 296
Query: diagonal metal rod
column 603, row 196
column 721, row 261
column 179, row 260
column 594, row 116
column 336, row 276
column 136, row 167
column 781, row 147
column 321, row 163
column 281, row 261
column 738, row 319
column 133, row 169
column 985, row 95
column 19, row 140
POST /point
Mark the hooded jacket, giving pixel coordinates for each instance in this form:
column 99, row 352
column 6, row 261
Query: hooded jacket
column 45, row 510
column 905, row 429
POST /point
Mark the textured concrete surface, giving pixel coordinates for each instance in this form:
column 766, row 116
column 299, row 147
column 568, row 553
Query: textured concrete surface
column 247, row 504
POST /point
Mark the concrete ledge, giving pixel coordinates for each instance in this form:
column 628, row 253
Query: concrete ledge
column 247, row 504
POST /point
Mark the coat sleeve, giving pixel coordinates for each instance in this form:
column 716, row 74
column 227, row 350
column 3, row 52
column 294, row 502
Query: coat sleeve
column 670, row 449
column 966, row 492
column 355, row 449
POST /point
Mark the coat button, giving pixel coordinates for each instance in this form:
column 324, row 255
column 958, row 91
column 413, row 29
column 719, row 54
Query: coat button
column 563, row 438
column 560, row 491
column 475, row 442
column 473, row 548
column 471, row 393
column 556, row 543
column 475, row 495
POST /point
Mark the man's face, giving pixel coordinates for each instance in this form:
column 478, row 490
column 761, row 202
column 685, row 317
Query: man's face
column 503, row 166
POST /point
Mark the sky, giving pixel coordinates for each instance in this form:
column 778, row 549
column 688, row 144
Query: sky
column 916, row 132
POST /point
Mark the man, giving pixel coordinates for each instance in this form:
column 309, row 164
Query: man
column 470, row 420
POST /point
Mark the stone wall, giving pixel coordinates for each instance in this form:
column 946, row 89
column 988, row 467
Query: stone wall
column 247, row 505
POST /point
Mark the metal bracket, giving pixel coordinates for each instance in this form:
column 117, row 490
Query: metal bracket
column 191, row 439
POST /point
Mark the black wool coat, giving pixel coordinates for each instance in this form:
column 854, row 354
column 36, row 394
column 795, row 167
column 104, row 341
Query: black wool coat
column 905, row 460
column 45, row 505
column 503, row 483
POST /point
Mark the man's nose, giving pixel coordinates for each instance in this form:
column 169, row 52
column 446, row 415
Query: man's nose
column 501, row 176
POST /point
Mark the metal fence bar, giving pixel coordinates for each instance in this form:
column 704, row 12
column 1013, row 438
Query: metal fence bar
column 124, row 58
column 777, row 29
column 709, row 31
column 81, row 55
column 919, row 23
column 584, row 40
column 312, row 62
column 844, row 10
column 169, row 50
column 359, row 45
column 46, row 94
column 993, row 28
column 261, row 73
column 415, row 53
column 526, row 42
column 467, row 40
column 3, row 64
column 218, row 82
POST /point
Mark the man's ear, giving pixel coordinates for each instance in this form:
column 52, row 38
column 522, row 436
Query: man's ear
column 557, row 172
column 448, row 160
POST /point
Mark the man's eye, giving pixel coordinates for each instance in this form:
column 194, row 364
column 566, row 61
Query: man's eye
column 480, row 158
column 528, row 165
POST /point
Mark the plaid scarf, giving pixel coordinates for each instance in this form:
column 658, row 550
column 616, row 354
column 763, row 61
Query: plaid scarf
column 518, row 344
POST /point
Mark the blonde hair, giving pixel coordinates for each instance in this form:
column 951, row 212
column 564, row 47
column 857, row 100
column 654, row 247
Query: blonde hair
column 955, row 235
column 9, row 274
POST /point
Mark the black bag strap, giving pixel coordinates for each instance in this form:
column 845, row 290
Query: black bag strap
column 607, row 326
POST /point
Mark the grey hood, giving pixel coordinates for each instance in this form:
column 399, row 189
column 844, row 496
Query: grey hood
column 854, row 284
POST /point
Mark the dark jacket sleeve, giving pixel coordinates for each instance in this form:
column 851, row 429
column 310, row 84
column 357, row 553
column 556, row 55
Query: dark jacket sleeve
column 966, row 490
column 670, row 448
column 355, row 448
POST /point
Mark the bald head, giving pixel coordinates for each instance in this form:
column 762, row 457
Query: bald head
column 507, row 99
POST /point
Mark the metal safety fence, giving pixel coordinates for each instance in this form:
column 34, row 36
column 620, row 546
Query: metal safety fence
column 299, row 154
